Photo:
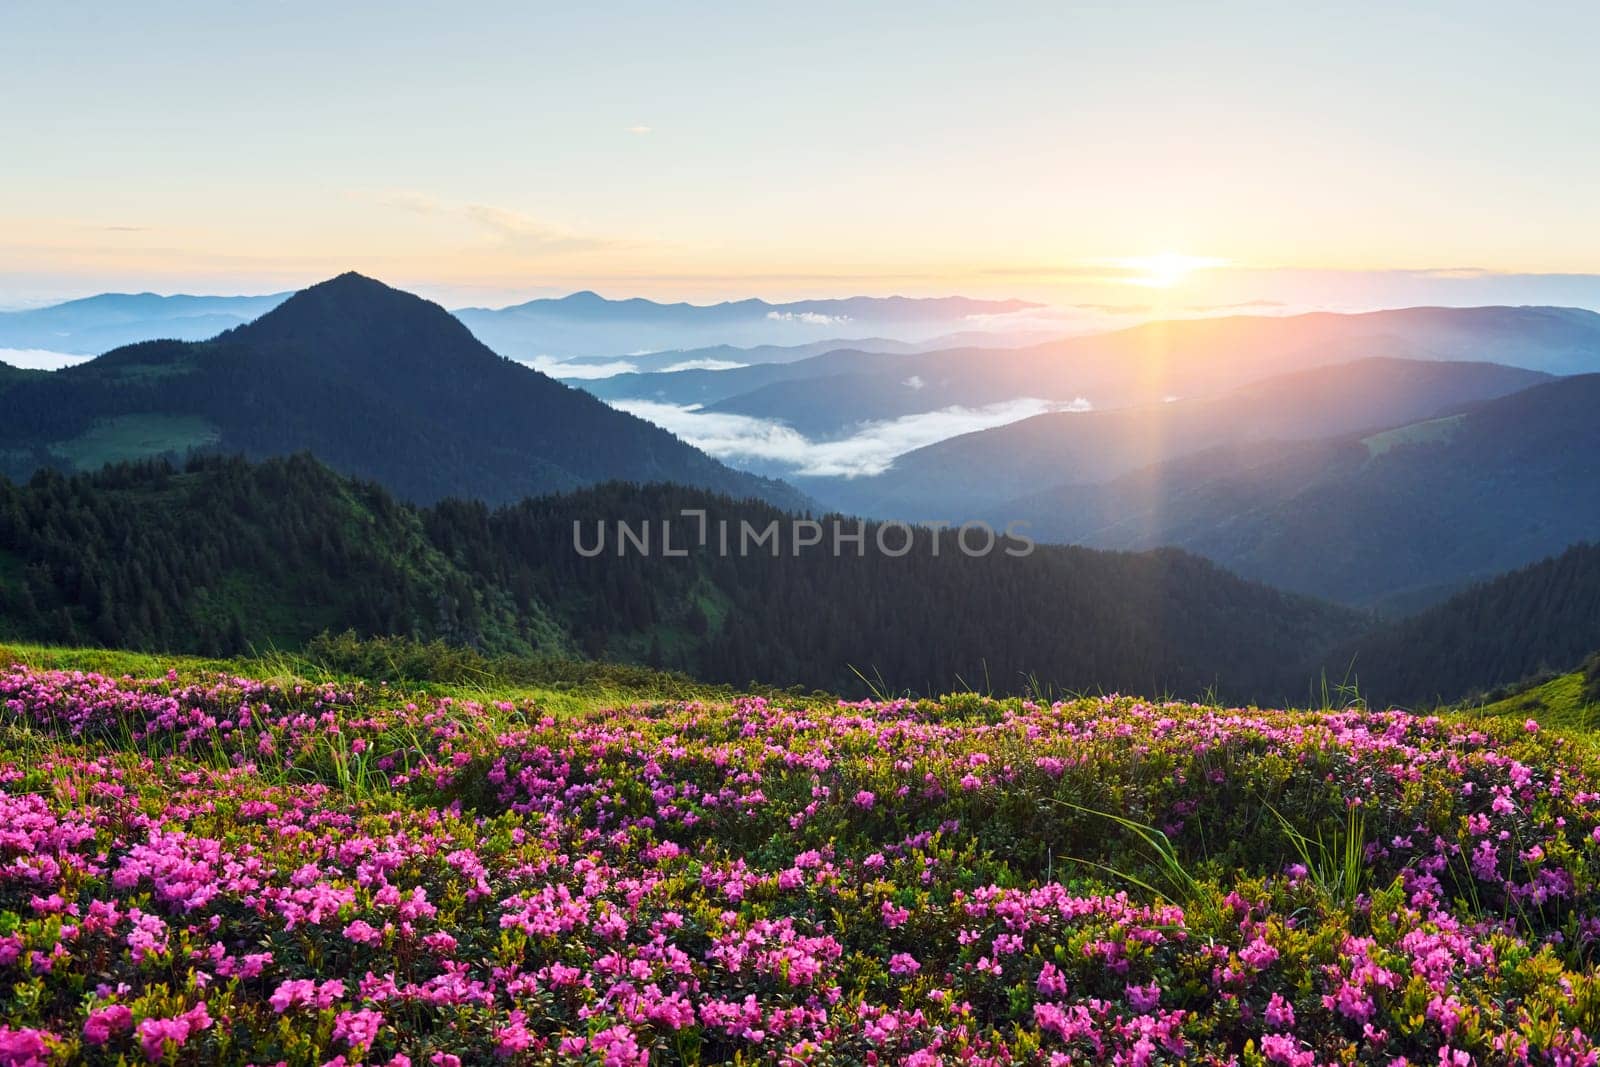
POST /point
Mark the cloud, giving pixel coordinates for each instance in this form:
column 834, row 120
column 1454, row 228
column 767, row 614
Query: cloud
column 580, row 371
column 704, row 364
column 869, row 451
column 520, row 233
column 40, row 358
column 511, row 231
column 640, row 130
column 810, row 318
column 914, row 382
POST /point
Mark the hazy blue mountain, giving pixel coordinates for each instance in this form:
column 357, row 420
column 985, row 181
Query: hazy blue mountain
column 376, row 383
column 657, row 362
column 587, row 324
column 583, row 326
column 96, row 324
column 1398, row 517
column 1156, row 361
column 973, row 473
column 648, row 363
column 707, row 387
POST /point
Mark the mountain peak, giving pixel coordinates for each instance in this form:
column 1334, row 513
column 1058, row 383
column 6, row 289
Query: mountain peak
column 353, row 310
column 350, row 283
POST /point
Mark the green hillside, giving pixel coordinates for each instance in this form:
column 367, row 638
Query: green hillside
column 1538, row 621
column 224, row 556
column 1568, row 701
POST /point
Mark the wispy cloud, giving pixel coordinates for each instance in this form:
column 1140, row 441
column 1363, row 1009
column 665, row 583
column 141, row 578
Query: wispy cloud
column 640, row 130
column 810, row 318
column 511, row 231
column 40, row 359
column 871, row 450
column 704, row 364
column 520, row 233
column 580, row 371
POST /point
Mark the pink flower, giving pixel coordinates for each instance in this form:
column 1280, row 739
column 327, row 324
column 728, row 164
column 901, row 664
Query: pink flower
column 362, row 933
column 1280, row 1013
column 155, row 1033
column 24, row 1048
column 358, row 1028
column 303, row 992
column 902, row 964
column 1281, row 1048
column 292, row 992
column 865, row 799
column 105, row 1023
column 1052, row 983
column 1143, row 998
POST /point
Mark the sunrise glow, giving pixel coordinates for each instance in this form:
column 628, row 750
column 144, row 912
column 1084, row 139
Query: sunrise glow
column 1166, row 269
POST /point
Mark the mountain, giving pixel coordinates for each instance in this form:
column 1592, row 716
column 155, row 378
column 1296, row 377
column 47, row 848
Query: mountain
column 1406, row 516
column 110, row 320
column 664, row 362
column 1542, row 618
column 1160, row 360
column 975, row 473
column 587, row 324
column 645, row 363
column 231, row 555
column 706, row 386
column 226, row 554
column 376, row 382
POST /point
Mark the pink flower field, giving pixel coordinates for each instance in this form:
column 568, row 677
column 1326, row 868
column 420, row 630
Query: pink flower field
column 225, row 870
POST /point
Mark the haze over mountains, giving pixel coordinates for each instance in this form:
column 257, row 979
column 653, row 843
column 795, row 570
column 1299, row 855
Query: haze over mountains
column 580, row 336
column 689, row 375
column 587, row 324
column 829, row 395
column 974, row 472
column 98, row 323
column 1379, row 483
column 1398, row 518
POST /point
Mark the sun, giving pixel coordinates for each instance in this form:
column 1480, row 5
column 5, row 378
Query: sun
column 1165, row 269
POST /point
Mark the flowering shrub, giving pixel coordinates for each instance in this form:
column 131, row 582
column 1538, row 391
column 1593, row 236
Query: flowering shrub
column 234, row 871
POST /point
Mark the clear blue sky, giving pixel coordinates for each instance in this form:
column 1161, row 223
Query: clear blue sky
column 695, row 150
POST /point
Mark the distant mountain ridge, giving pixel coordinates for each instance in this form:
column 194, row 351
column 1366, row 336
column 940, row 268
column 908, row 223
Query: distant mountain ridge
column 374, row 381
column 647, row 363
column 583, row 324
column 587, row 303
column 95, row 324
column 586, row 324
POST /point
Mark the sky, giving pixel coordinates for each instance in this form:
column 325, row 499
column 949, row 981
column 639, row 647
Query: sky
column 1170, row 155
